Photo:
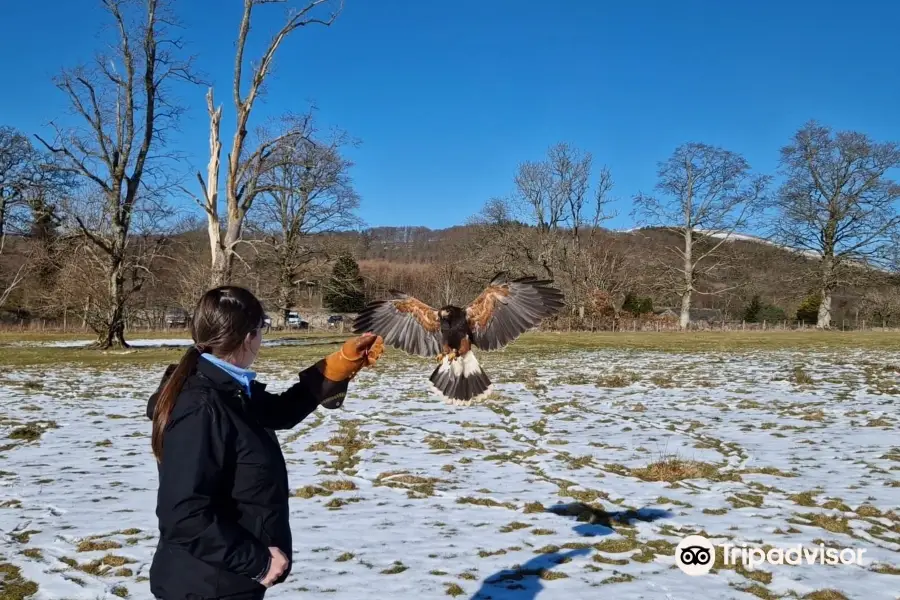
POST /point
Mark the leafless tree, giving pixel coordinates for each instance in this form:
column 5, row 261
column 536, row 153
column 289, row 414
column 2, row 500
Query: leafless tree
column 706, row 195
column 30, row 188
column 18, row 168
column 882, row 304
column 123, row 104
column 308, row 192
column 246, row 161
column 553, row 225
column 838, row 205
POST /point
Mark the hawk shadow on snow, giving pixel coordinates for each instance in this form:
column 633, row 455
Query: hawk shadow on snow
column 526, row 582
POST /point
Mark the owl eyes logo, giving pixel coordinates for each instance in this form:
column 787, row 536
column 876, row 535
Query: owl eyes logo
column 695, row 555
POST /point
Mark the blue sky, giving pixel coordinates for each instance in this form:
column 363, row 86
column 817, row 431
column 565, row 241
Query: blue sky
column 448, row 97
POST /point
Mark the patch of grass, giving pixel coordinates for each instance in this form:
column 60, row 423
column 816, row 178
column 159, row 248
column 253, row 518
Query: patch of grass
column 335, row 503
column 801, row 377
column 31, row 431
column 401, row 479
column 769, row 471
column 836, row 504
column 23, row 537
column 825, row 595
column 618, row 380
column 541, row 531
column 33, row 553
column 548, row 575
column 514, row 526
column 397, row 567
column 310, row 491
column 92, row 545
column 757, row 590
column 484, row 502
column 742, row 500
column 804, row 499
column 610, row 561
column 15, row 587
column 827, row 522
column 119, row 590
column 886, row 569
column 616, row 546
column 672, row 469
column 715, row 511
column 617, row 578
column 345, row 557
column 453, row 589
column 534, row 507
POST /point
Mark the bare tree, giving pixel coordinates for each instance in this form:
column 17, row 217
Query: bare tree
column 882, row 304
column 837, row 204
column 123, row 105
column 245, row 164
column 308, row 193
column 18, row 169
column 707, row 194
column 30, row 188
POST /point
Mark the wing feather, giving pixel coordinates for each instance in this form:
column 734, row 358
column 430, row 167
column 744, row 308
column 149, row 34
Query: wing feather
column 509, row 308
column 403, row 322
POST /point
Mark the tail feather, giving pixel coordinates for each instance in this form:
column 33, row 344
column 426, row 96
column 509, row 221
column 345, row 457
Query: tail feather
column 462, row 381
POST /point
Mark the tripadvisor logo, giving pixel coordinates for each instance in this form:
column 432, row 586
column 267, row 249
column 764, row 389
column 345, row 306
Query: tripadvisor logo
column 696, row 555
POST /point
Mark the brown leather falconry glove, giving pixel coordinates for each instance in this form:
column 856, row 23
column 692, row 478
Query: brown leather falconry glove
column 354, row 355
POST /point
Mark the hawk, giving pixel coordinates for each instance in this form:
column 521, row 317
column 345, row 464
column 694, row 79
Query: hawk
column 506, row 309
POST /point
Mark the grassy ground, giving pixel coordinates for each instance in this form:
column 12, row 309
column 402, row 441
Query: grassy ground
column 528, row 345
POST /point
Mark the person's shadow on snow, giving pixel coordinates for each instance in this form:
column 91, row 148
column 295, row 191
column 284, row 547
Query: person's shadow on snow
column 525, row 583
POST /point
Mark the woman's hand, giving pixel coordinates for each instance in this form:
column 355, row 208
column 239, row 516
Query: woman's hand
column 355, row 354
column 369, row 346
column 276, row 567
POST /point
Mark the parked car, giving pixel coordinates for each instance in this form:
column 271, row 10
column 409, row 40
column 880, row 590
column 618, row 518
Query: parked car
column 177, row 317
column 334, row 320
column 295, row 322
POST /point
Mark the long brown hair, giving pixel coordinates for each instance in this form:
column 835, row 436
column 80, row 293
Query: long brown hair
column 223, row 318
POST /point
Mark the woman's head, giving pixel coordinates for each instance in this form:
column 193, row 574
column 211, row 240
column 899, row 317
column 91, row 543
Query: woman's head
column 227, row 323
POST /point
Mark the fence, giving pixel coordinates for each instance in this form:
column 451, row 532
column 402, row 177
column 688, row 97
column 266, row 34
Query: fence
column 626, row 325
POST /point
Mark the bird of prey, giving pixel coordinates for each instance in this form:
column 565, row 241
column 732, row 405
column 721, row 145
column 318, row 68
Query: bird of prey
column 506, row 309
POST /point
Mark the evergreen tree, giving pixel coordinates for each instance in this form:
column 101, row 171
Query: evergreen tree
column 637, row 305
column 771, row 314
column 751, row 314
column 808, row 311
column 345, row 287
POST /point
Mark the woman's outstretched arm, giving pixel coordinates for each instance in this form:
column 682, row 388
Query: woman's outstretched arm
column 325, row 383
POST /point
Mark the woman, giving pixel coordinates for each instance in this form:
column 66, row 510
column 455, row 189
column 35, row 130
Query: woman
column 222, row 504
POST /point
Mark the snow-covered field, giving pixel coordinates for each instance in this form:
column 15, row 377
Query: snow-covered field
column 401, row 496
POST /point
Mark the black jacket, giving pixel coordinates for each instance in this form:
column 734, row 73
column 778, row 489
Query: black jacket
column 223, row 485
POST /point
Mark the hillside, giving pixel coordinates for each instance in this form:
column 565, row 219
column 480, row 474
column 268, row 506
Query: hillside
column 453, row 265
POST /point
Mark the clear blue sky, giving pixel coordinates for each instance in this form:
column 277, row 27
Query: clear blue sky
column 448, row 97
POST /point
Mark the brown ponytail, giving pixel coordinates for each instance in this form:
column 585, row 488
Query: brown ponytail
column 223, row 319
column 165, row 402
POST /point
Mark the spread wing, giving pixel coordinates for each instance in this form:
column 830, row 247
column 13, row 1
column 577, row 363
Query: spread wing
column 404, row 322
column 507, row 309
